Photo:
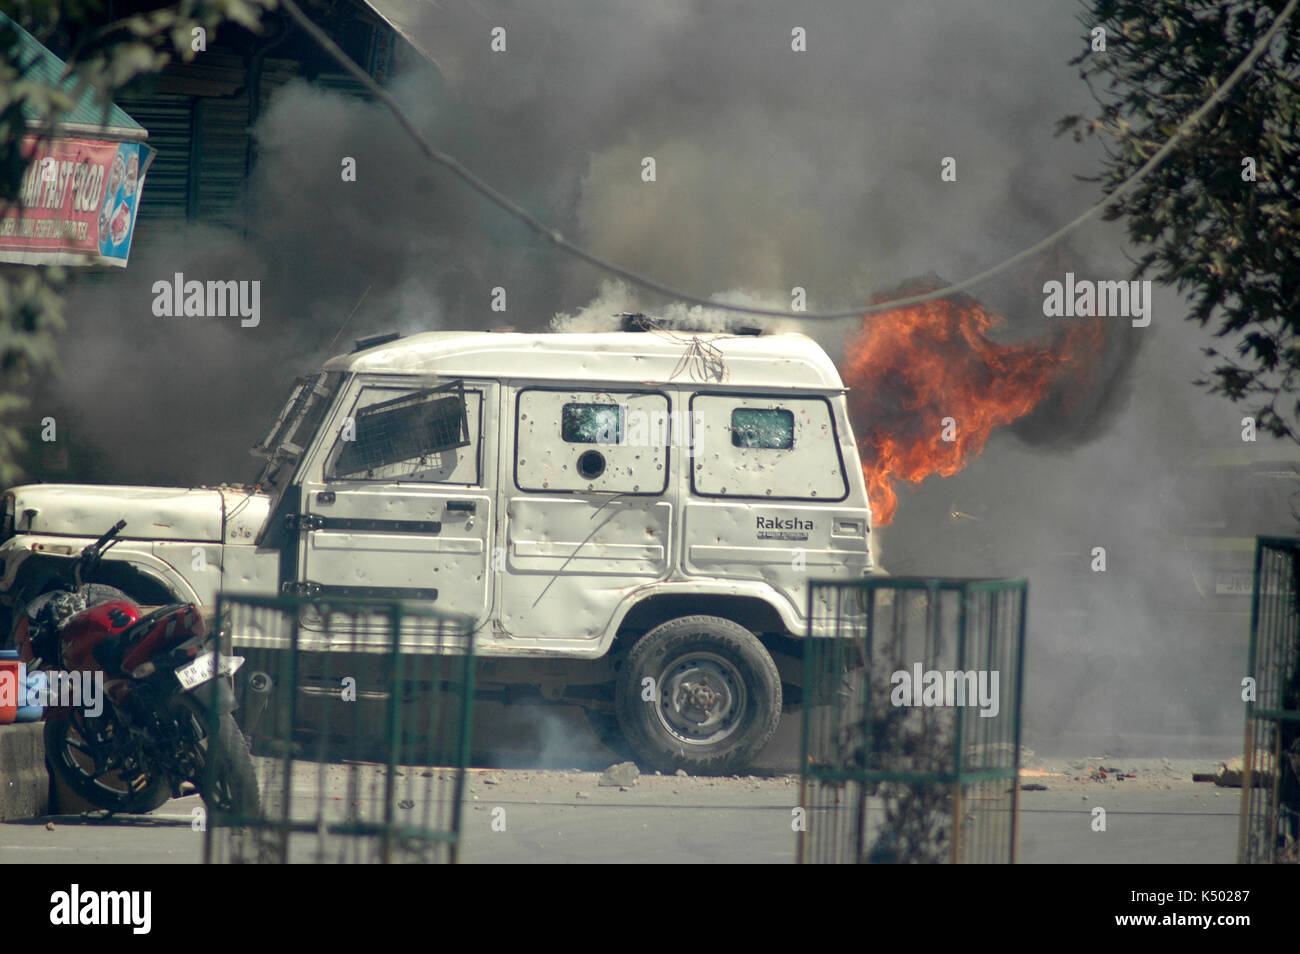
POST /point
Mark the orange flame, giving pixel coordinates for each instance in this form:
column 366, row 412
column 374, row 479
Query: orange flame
column 912, row 369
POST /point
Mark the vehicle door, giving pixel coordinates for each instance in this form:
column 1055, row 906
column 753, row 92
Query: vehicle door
column 399, row 505
column 588, row 515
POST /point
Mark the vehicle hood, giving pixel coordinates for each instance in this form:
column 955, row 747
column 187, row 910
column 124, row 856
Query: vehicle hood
column 208, row 515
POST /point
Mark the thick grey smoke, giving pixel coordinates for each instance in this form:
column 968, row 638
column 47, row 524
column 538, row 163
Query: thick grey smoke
column 774, row 169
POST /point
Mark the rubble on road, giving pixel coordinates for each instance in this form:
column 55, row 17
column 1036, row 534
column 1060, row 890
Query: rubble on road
column 1230, row 772
column 620, row 775
column 1113, row 772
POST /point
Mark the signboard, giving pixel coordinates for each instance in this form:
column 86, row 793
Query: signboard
column 80, row 198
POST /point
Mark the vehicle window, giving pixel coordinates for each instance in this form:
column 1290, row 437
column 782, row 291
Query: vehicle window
column 295, row 427
column 429, row 435
column 587, row 441
column 296, row 424
column 777, row 448
column 592, row 423
column 769, row 429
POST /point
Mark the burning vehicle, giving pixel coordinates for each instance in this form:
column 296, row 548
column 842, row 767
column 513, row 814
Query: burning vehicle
column 626, row 520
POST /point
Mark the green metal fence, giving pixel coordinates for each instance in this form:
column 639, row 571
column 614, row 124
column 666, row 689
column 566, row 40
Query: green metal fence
column 358, row 717
column 911, row 732
column 1270, row 802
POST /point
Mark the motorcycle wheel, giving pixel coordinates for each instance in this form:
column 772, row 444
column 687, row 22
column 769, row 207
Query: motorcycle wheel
column 225, row 776
column 69, row 752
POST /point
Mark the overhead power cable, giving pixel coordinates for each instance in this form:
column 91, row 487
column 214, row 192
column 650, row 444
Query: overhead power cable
column 475, row 182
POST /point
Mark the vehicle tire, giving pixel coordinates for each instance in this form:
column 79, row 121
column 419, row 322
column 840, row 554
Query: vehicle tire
column 718, row 700
column 22, row 599
column 67, row 753
column 224, row 770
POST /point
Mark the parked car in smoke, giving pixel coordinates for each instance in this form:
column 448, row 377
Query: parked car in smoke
column 628, row 519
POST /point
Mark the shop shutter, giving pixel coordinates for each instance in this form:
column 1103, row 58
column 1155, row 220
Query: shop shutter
column 223, row 155
column 166, row 186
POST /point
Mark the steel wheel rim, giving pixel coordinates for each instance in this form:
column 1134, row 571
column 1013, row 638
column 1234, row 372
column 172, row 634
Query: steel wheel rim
column 702, row 697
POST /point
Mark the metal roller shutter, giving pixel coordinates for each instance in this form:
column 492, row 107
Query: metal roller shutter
column 166, row 187
column 199, row 124
column 341, row 83
column 222, row 159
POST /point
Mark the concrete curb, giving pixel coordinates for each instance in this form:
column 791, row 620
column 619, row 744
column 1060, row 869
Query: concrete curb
column 24, row 780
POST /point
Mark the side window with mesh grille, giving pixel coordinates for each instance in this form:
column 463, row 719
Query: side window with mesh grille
column 398, row 434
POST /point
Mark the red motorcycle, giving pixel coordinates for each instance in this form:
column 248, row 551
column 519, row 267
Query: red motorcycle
column 146, row 723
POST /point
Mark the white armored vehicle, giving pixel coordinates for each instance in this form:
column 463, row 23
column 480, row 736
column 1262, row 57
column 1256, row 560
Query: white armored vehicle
column 628, row 519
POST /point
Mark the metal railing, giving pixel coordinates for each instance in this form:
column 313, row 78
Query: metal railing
column 911, row 732
column 1270, row 802
column 358, row 718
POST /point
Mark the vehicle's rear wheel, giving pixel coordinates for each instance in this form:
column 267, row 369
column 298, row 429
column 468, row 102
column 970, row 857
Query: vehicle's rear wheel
column 15, row 634
column 699, row 693
column 71, row 745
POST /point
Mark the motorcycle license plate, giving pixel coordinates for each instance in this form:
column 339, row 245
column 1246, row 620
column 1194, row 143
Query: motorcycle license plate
column 202, row 669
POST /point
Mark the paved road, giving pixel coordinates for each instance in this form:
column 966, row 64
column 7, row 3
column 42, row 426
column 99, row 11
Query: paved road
column 565, row 816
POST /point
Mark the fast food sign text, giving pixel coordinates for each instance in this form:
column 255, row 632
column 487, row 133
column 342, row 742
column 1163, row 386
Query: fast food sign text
column 78, row 203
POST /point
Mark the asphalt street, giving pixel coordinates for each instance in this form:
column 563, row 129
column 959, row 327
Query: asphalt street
column 1157, row 814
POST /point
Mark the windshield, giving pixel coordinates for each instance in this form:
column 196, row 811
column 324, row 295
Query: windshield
column 296, row 424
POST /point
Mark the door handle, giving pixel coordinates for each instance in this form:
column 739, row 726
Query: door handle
column 462, row 506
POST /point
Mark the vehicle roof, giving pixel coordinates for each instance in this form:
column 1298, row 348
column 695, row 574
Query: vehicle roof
column 787, row 360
